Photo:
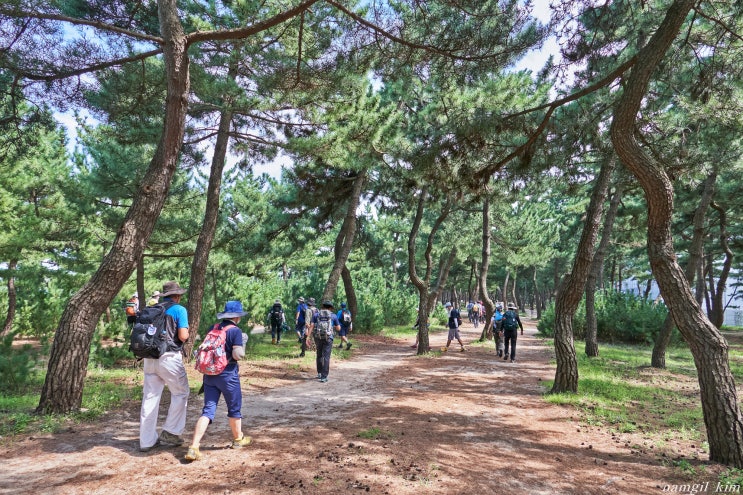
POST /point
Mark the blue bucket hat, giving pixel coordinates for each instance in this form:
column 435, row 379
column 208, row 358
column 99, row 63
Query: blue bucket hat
column 232, row 309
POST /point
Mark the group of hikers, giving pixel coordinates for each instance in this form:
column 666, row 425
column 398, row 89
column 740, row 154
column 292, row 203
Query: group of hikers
column 505, row 327
column 217, row 358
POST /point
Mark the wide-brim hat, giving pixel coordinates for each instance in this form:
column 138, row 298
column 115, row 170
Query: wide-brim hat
column 156, row 294
column 311, row 301
column 327, row 304
column 232, row 309
column 172, row 288
column 301, row 299
column 511, row 306
column 447, row 305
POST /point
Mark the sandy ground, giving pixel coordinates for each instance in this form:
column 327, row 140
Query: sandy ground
column 458, row 423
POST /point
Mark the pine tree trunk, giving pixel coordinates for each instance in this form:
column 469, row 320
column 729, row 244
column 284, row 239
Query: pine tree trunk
column 197, row 284
column 482, row 281
column 722, row 416
column 68, row 361
column 12, row 298
column 717, row 312
column 570, row 291
column 592, row 343
column 345, row 238
column 353, row 304
column 658, row 359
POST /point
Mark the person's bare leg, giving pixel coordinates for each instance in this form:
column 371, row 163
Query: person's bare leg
column 198, row 433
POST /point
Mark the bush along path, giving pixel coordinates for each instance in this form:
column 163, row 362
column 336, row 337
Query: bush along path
column 387, row 422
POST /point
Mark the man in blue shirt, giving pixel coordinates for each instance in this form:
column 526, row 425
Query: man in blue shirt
column 168, row 370
column 301, row 324
column 344, row 318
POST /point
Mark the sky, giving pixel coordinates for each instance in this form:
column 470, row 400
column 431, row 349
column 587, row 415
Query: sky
column 533, row 61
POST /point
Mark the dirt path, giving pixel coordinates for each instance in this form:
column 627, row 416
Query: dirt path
column 460, row 423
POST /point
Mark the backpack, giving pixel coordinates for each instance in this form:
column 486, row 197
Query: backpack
column 308, row 314
column 346, row 317
column 476, row 309
column 131, row 307
column 152, row 332
column 211, row 356
column 509, row 321
column 324, row 326
column 276, row 312
column 454, row 319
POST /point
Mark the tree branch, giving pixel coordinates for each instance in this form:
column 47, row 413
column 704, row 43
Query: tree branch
column 91, row 68
column 240, row 33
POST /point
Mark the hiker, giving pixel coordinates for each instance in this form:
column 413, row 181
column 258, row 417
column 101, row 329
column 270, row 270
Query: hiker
column 154, row 298
column 168, row 370
column 510, row 324
column 455, row 321
column 476, row 308
column 469, row 310
column 322, row 326
column 226, row 383
column 276, row 319
column 300, row 325
column 345, row 319
column 498, row 331
column 131, row 308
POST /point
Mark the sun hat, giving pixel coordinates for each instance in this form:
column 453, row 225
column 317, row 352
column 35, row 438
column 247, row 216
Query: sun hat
column 511, row 306
column 172, row 288
column 136, row 294
column 232, row 309
column 301, row 299
column 327, row 304
column 311, row 301
column 447, row 305
column 156, row 293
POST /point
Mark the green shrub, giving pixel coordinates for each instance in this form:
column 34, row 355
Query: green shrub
column 18, row 365
column 620, row 317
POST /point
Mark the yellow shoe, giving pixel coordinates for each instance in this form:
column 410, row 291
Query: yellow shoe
column 193, row 454
column 238, row 443
column 444, row 349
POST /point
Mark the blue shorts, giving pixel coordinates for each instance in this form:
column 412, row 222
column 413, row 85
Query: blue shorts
column 227, row 384
column 343, row 331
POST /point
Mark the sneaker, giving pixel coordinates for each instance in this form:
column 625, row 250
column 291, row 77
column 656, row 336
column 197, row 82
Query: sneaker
column 147, row 449
column 324, row 379
column 299, row 339
column 348, row 346
column 462, row 349
column 168, row 439
column 273, row 341
column 239, row 443
column 319, row 375
column 193, row 454
column 505, row 358
column 301, row 354
column 340, row 346
column 513, row 360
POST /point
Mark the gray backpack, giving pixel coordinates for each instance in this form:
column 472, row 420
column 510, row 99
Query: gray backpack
column 324, row 326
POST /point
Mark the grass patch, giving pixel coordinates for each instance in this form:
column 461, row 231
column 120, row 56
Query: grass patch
column 374, row 433
column 260, row 348
column 619, row 391
column 104, row 390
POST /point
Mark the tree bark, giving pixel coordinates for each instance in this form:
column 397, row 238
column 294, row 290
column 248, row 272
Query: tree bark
column 592, row 344
column 197, row 283
column 658, row 359
column 345, row 238
column 12, row 298
column 570, row 291
column 353, row 304
column 423, row 284
column 142, row 295
column 537, row 294
column 482, row 280
column 719, row 396
column 68, row 361
column 717, row 313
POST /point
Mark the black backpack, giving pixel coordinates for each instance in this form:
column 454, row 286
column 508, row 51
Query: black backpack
column 276, row 312
column 509, row 321
column 324, row 326
column 153, row 331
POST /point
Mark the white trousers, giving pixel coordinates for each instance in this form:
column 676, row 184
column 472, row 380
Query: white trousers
column 168, row 370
